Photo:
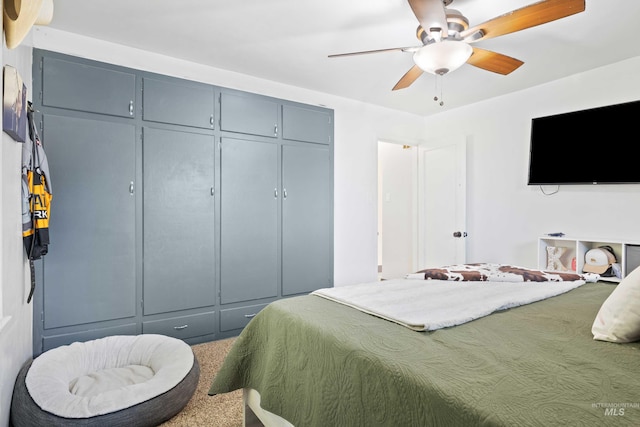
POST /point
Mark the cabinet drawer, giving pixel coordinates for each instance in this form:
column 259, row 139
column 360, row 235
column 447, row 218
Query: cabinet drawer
column 87, row 88
column 183, row 326
column 236, row 318
column 178, row 102
column 306, row 124
column 250, row 114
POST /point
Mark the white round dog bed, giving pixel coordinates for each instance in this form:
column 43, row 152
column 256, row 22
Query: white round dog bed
column 138, row 380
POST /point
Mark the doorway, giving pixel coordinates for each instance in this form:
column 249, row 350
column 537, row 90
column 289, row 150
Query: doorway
column 421, row 206
column 397, row 209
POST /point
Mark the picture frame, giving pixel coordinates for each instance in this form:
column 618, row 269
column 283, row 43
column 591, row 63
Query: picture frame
column 14, row 104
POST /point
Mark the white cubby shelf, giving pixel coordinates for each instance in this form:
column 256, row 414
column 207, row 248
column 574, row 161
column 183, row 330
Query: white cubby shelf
column 627, row 252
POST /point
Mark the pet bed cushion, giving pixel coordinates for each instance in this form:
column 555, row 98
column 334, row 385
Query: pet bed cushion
column 151, row 376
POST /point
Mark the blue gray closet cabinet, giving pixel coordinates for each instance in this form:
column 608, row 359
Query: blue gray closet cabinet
column 242, row 112
column 178, row 102
column 249, row 212
column 307, row 235
column 68, row 84
column 92, row 236
column 180, row 208
column 178, row 228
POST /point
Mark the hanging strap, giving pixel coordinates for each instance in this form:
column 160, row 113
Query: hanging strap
column 32, row 268
column 33, row 137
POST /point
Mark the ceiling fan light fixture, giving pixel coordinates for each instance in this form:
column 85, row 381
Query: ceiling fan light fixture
column 442, row 57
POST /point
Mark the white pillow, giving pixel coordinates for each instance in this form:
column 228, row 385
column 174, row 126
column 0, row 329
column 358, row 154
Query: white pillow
column 618, row 319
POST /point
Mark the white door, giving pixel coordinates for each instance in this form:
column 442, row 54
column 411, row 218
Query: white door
column 442, row 204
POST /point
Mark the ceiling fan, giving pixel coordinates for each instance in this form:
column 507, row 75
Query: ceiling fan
column 446, row 36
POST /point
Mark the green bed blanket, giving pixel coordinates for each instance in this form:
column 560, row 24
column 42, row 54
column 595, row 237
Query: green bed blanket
column 319, row 363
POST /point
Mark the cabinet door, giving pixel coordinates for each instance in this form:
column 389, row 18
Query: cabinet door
column 89, row 272
column 306, row 124
column 249, row 220
column 178, row 102
column 178, row 220
column 250, row 114
column 307, row 233
column 87, row 88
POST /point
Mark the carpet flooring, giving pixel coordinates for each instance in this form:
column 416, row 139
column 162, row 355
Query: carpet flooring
column 224, row 410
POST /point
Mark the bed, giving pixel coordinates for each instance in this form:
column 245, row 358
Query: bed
column 312, row 361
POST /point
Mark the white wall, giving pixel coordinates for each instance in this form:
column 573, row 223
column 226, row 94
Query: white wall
column 504, row 215
column 15, row 315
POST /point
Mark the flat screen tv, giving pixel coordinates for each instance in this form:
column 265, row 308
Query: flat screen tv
column 594, row 146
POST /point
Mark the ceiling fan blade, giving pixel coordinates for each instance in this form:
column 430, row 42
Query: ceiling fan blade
column 493, row 61
column 408, row 78
column 526, row 17
column 366, row 52
column 430, row 14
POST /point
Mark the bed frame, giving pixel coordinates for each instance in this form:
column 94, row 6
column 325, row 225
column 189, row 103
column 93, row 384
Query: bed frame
column 255, row 416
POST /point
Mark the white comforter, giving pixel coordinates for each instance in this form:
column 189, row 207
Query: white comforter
column 433, row 304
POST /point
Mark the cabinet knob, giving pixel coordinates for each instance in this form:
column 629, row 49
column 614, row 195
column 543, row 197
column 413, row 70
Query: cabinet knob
column 131, row 108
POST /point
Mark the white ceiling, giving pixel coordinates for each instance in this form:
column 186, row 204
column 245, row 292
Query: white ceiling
column 289, row 41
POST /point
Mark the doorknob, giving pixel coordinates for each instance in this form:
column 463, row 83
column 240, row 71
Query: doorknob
column 459, row 234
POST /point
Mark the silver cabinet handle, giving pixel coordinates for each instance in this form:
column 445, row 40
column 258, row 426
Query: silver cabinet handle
column 284, row 193
column 179, row 328
column 131, row 188
column 211, row 120
column 275, row 193
column 213, row 191
column 249, row 316
column 131, row 108
column 275, row 130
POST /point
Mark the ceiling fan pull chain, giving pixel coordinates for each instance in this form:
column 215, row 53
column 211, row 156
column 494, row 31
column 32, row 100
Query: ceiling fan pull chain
column 435, row 98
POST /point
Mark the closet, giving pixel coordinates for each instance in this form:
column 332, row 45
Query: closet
column 179, row 207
